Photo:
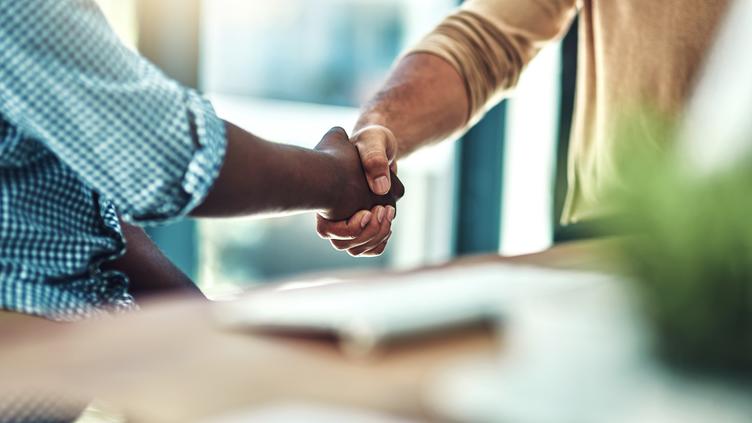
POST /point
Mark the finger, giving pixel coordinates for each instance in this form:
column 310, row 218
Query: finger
column 377, row 147
column 340, row 245
column 393, row 167
column 368, row 236
column 328, row 229
column 376, row 166
column 344, row 229
column 384, row 231
column 371, row 232
column 364, row 249
column 375, row 252
column 391, row 213
column 333, row 136
column 379, row 250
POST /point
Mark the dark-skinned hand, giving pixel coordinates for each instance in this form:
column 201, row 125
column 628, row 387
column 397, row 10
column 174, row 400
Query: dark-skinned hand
column 353, row 193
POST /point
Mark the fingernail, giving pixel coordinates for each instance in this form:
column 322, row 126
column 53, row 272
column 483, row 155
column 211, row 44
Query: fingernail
column 382, row 185
column 380, row 214
column 366, row 219
column 390, row 213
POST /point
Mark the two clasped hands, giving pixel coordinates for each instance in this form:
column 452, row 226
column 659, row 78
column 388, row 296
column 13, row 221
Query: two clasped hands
column 349, row 182
column 367, row 231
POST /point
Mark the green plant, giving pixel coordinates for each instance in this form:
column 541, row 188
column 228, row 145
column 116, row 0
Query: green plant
column 691, row 257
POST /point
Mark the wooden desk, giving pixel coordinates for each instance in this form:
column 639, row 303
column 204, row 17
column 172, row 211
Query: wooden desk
column 171, row 363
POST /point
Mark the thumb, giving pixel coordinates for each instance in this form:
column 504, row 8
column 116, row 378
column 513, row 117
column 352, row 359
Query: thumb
column 377, row 147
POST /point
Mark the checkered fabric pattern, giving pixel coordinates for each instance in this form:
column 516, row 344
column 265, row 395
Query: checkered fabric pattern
column 39, row 407
column 89, row 131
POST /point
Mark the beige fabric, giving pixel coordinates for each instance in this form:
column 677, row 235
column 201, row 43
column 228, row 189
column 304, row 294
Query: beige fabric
column 631, row 52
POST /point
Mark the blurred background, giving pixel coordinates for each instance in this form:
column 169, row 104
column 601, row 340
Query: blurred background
column 288, row 70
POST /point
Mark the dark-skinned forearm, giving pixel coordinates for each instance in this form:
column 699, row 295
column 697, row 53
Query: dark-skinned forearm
column 424, row 101
column 260, row 177
column 150, row 273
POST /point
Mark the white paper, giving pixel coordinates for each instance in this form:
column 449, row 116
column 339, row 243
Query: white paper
column 366, row 313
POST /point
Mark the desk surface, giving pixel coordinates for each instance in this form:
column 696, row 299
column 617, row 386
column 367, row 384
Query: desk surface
column 171, row 362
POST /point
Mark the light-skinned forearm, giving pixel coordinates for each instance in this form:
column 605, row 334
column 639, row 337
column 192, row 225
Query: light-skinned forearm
column 424, row 101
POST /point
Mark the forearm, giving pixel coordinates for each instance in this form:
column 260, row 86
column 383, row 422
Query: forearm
column 424, row 101
column 150, row 272
column 463, row 67
column 259, row 176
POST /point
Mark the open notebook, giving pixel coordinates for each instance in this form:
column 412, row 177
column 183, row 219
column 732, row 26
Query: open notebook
column 367, row 313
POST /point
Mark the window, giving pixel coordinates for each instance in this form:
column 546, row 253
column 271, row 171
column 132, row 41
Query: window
column 288, row 70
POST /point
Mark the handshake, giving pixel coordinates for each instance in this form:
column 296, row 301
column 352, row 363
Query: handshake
column 361, row 218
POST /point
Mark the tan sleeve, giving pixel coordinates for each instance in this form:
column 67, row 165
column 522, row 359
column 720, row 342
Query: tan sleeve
column 489, row 42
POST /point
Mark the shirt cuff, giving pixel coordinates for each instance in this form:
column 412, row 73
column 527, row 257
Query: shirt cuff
column 211, row 136
column 489, row 61
column 210, row 139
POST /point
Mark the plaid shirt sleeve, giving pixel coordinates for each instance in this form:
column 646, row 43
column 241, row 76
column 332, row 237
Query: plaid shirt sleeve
column 141, row 140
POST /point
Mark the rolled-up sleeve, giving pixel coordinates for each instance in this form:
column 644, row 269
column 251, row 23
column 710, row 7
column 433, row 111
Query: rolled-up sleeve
column 489, row 43
column 140, row 139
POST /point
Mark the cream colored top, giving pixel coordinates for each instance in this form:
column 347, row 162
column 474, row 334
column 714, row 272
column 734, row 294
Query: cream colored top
column 631, row 52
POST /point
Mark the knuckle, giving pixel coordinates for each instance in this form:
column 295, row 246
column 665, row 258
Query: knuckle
column 338, row 130
column 375, row 160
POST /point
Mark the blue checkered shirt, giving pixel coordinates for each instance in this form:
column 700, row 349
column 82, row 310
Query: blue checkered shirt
column 90, row 132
